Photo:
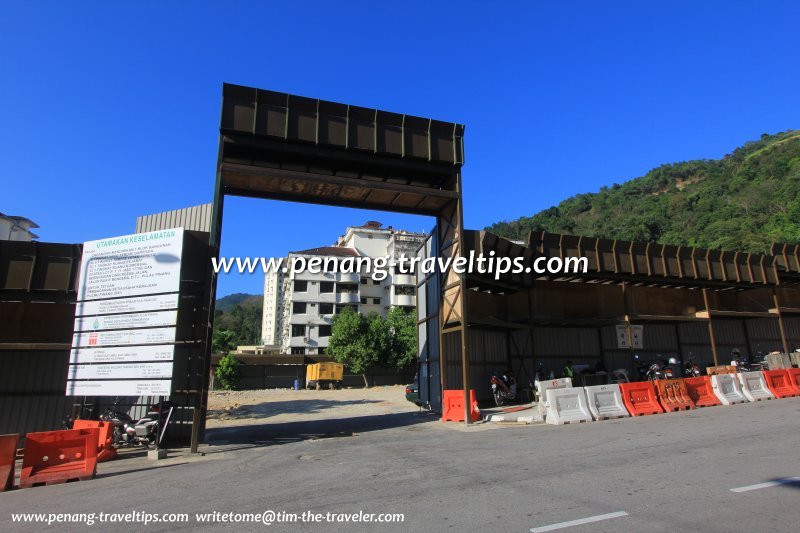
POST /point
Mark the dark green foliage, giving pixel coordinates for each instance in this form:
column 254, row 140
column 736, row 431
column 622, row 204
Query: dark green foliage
column 403, row 334
column 364, row 341
column 222, row 341
column 227, row 303
column 745, row 201
column 237, row 322
column 228, row 372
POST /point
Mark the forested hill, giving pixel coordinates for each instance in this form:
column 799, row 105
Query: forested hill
column 744, row 201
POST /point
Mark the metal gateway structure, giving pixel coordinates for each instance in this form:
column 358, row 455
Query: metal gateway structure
column 284, row 147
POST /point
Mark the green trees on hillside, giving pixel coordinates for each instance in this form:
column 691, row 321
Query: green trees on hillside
column 745, row 201
column 239, row 325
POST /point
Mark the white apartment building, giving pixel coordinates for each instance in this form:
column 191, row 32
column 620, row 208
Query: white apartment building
column 299, row 308
column 14, row 228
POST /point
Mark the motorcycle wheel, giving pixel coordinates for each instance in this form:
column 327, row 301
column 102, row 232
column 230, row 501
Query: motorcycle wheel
column 498, row 398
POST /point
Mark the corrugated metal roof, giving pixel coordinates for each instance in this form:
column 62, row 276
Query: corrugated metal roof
column 196, row 218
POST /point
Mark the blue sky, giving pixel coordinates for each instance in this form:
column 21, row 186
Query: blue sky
column 112, row 111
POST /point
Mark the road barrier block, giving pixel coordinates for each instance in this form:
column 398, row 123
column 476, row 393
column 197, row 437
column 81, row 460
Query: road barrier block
column 640, row 398
column 728, row 389
column 566, row 406
column 560, row 383
column 8, row 457
column 453, row 406
column 673, row 396
column 716, row 370
column 105, row 443
column 794, row 376
column 780, row 383
column 701, row 392
column 605, row 402
column 59, row 456
column 754, row 386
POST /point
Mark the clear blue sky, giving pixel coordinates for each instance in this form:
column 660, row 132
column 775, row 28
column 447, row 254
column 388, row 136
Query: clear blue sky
column 112, row 111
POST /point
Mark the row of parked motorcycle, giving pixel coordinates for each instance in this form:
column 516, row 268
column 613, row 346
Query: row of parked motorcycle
column 147, row 431
column 504, row 386
column 669, row 368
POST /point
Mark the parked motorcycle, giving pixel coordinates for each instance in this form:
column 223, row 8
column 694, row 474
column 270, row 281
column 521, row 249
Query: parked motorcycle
column 691, row 369
column 118, row 418
column 504, row 388
column 668, row 368
column 149, row 430
column 656, row 370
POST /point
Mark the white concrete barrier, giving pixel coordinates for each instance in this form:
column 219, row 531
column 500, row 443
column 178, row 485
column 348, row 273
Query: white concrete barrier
column 727, row 388
column 566, row 406
column 560, row 383
column 754, row 386
column 605, row 402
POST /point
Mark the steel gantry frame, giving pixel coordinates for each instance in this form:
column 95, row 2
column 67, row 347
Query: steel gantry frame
column 284, row 147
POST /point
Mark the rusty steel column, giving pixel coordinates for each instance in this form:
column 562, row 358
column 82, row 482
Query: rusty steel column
column 463, row 303
column 453, row 307
column 781, row 326
column 710, row 328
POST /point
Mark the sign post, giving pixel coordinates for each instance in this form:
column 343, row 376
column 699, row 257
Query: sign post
column 126, row 316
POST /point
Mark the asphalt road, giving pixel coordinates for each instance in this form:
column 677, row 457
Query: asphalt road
column 673, row 472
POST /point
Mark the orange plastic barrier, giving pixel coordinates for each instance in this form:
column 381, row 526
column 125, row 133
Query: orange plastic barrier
column 673, row 396
column 59, row 456
column 640, row 398
column 8, row 452
column 701, row 392
column 453, row 406
column 105, row 444
column 794, row 376
column 781, row 384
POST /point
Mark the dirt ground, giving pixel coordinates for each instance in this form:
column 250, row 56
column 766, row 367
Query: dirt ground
column 232, row 408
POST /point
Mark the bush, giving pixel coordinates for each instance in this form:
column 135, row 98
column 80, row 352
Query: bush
column 228, row 372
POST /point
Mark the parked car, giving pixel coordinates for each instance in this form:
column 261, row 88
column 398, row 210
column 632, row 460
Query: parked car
column 412, row 392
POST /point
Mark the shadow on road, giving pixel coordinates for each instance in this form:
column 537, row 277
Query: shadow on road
column 268, row 409
column 283, row 432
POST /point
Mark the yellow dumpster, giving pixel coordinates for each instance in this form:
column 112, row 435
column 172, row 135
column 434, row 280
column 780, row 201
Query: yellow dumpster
column 321, row 375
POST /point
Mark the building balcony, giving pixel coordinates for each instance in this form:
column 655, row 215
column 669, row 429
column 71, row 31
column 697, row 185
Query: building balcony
column 404, row 279
column 352, row 277
column 347, row 298
column 404, row 300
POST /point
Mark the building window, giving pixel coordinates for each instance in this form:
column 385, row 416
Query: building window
column 326, row 287
column 405, row 289
column 298, row 330
column 347, row 288
column 299, row 308
column 364, row 281
column 375, row 282
column 363, row 300
column 376, row 301
column 298, row 351
column 325, row 331
column 326, row 309
column 300, row 286
column 321, row 350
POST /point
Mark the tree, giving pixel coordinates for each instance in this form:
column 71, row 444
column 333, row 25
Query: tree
column 355, row 342
column 402, row 325
column 228, row 372
column 363, row 342
column 223, row 341
column 239, row 315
